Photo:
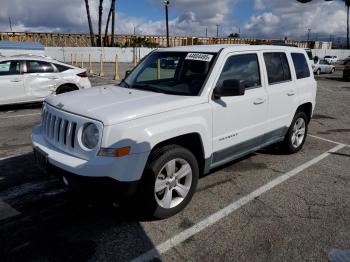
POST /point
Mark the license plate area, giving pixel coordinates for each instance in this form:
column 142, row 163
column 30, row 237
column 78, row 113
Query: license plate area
column 41, row 158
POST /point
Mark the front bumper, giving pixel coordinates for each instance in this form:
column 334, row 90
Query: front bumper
column 123, row 169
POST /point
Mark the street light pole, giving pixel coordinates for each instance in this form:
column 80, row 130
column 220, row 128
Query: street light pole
column 217, row 31
column 308, row 34
column 166, row 4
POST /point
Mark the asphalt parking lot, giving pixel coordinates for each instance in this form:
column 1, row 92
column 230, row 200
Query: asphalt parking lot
column 264, row 207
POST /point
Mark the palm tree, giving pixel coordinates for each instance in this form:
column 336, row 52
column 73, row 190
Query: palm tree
column 92, row 37
column 100, row 10
column 113, row 21
column 347, row 4
column 111, row 13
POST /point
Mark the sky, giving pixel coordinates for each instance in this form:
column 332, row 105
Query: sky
column 253, row 18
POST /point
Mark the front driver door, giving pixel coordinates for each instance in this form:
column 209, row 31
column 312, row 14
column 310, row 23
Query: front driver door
column 239, row 121
column 11, row 82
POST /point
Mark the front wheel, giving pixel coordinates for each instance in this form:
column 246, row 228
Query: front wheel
column 333, row 70
column 296, row 135
column 170, row 180
column 318, row 72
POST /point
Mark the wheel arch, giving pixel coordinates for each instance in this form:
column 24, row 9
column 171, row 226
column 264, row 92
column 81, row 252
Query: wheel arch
column 74, row 86
column 191, row 141
column 307, row 109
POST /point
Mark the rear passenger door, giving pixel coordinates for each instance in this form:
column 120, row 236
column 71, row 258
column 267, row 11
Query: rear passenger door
column 282, row 93
column 239, row 122
column 40, row 79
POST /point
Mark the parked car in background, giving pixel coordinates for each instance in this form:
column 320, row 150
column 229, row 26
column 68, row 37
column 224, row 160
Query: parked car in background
column 32, row 78
column 346, row 71
column 322, row 66
column 331, row 59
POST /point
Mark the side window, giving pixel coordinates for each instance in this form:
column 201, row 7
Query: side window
column 39, row 67
column 10, row 68
column 277, row 67
column 242, row 67
column 61, row 68
column 301, row 67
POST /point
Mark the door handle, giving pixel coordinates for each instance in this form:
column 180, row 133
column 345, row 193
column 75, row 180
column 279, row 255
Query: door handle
column 52, row 77
column 291, row 93
column 259, row 101
column 16, row 80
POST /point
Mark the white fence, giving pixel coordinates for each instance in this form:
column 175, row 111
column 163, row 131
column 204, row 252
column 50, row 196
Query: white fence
column 65, row 54
column 340, row 53
column 124, row 54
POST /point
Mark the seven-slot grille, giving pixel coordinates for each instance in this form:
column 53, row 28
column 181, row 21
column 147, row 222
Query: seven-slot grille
column 58, row 130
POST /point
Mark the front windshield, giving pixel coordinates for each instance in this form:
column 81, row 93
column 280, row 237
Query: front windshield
column 177, row 73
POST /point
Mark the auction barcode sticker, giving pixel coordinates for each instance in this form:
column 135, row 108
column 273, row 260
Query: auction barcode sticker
column 199, row 57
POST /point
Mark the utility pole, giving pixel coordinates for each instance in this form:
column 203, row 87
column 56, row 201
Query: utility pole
column 308, row 34
column 10, row 24
column 217, row 31
column 206, row 32
column 166, row 4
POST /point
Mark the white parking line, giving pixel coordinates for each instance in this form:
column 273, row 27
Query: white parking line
column 212, row 219
column 7, row 211
column 33, row 114
column 327, row 140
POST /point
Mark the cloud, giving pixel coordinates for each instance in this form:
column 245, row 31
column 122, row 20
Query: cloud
column 292, row 19
column 266, row 18
column 259, row 5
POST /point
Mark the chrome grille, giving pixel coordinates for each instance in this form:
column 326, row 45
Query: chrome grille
column 58, row 130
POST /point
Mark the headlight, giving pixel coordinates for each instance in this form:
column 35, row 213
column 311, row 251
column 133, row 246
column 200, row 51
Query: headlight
column 90, row 136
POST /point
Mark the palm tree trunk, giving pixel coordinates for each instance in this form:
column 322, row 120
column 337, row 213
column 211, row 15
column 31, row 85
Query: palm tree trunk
column 113, row 22
column 92, row 37
column 100, row 9
column 107, row 25
column 347, row 28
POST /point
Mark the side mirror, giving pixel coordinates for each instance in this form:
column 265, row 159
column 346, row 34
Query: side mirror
column 230, row 87
column 127, row 73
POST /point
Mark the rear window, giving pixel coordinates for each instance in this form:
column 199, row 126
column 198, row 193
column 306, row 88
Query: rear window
column 277, row 67
column 301, row 66
column 61, row 68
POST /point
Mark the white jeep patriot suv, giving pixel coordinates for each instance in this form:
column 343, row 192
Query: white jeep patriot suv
column 180, row 113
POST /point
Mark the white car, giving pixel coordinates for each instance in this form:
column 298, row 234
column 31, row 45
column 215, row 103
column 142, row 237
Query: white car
column 31, row 78
column 331, row 59
column 322, row 66
column 155, row 133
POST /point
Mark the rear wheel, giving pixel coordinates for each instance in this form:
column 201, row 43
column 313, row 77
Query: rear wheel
column 65, row 89
column 318, row 72
column 333, row 70
column 296, row 135
column 169, row 181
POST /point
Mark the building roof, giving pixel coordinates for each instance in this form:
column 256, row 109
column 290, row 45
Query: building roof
column 21, row 45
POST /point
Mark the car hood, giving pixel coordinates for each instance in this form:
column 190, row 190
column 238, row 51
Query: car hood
column 114, row 104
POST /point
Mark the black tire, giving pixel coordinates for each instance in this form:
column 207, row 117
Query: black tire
column 318, row 72
column 287, row 144
column 157, row 160
column 333, row 70
column 65, row 89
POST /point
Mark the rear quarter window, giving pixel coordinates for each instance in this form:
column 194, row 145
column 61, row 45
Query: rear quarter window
column 61, row 68
column 301, row 66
